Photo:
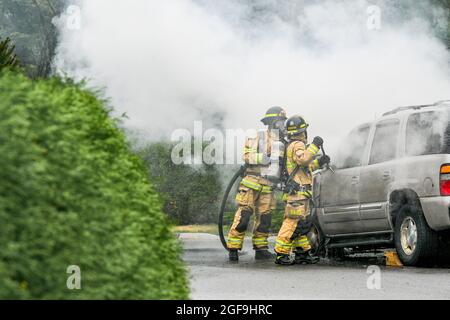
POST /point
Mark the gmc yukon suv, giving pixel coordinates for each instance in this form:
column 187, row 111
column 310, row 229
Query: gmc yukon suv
column 391, row 185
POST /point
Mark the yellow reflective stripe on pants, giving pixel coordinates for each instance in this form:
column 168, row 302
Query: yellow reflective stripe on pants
column 297, row 212
column 301, row 241
column 235, row 243
column 283, row 247
column 235, row 239
column 256, row 186
column 260, row 242
column 251, row 184
column 280, row 243
column 307, row 194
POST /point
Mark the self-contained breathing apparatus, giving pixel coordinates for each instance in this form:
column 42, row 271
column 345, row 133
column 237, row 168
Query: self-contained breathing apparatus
column 274, row 170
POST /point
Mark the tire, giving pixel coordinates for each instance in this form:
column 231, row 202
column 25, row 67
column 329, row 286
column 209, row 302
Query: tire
column 415, row 241
column 315, row 238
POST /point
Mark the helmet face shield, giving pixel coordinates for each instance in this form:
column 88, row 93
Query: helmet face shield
column 279, row 125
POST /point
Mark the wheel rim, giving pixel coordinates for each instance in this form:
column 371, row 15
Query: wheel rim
column 408, row 235
column 314, row 239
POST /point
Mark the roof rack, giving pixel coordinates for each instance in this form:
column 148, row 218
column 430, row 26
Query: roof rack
column 400, row 109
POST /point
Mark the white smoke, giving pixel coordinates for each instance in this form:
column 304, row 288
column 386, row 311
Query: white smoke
column 168, row 63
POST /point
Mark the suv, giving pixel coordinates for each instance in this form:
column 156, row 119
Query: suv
column 391, row 184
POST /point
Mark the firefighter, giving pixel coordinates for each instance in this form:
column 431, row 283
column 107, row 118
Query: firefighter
column 300, row 162
column 255, row 193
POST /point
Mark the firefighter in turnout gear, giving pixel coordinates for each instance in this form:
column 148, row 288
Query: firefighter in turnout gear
column 300, row 163
column 256, row 194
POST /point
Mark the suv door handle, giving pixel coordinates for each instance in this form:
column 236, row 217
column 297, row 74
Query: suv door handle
column 355, row 179
column 386, row 175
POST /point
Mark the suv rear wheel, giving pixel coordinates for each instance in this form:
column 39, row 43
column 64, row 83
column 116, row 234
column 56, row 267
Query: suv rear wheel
column 317, row 239
column 415, row 241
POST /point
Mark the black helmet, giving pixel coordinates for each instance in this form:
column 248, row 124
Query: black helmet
column 274, row 114
column 296, row 125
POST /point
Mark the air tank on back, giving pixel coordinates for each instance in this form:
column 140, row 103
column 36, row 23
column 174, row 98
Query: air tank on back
column 273, row 171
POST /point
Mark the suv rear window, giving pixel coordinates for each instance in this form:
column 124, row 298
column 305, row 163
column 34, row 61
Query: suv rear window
column 384, row 144
column 427, row 133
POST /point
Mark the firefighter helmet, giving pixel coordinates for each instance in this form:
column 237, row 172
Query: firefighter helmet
column 296, row 125
column 274, row 114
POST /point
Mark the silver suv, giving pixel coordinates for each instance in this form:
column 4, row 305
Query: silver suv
column 391, row 185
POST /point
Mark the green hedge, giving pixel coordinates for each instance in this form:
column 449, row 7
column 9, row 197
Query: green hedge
column 71, row 193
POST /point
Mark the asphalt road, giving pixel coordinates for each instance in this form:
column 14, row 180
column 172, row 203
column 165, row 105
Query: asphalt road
column 213, row 277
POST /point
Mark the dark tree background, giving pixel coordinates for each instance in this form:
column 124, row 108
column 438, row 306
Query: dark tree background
column 29, row 24
column 8, row 59
column 191, row 194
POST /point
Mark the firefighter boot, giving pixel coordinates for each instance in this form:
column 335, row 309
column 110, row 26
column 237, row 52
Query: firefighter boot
column 305, row 257
column 233, row 255
column 284, row 259
column 263, row 254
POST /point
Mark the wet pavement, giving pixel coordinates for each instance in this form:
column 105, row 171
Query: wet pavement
column 213, row 277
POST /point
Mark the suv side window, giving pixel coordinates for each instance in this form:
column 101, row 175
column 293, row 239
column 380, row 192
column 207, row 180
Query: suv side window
column 384, row 144
column 425, row 132
column 351, row 153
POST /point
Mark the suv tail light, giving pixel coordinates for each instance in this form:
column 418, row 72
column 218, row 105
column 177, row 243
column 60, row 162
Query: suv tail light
column 444, row 181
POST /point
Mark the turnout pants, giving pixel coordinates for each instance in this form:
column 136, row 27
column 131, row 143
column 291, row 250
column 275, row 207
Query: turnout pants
column 253, row 197
column 289, row 237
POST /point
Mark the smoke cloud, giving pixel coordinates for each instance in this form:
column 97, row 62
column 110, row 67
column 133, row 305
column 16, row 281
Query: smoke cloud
column 337, row 63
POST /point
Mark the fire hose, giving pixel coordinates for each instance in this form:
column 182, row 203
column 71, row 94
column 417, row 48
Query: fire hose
column 239, row 173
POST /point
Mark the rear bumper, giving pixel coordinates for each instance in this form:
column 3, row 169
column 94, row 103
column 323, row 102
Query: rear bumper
column 436, row 212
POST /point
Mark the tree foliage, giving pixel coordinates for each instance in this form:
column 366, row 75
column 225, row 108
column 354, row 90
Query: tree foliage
column 445, row 5
column 7, row 57
column 71, row 193
column 29, row 24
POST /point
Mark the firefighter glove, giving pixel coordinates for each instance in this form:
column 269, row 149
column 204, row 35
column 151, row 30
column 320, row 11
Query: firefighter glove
column 323, row 160
column 318, row 142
